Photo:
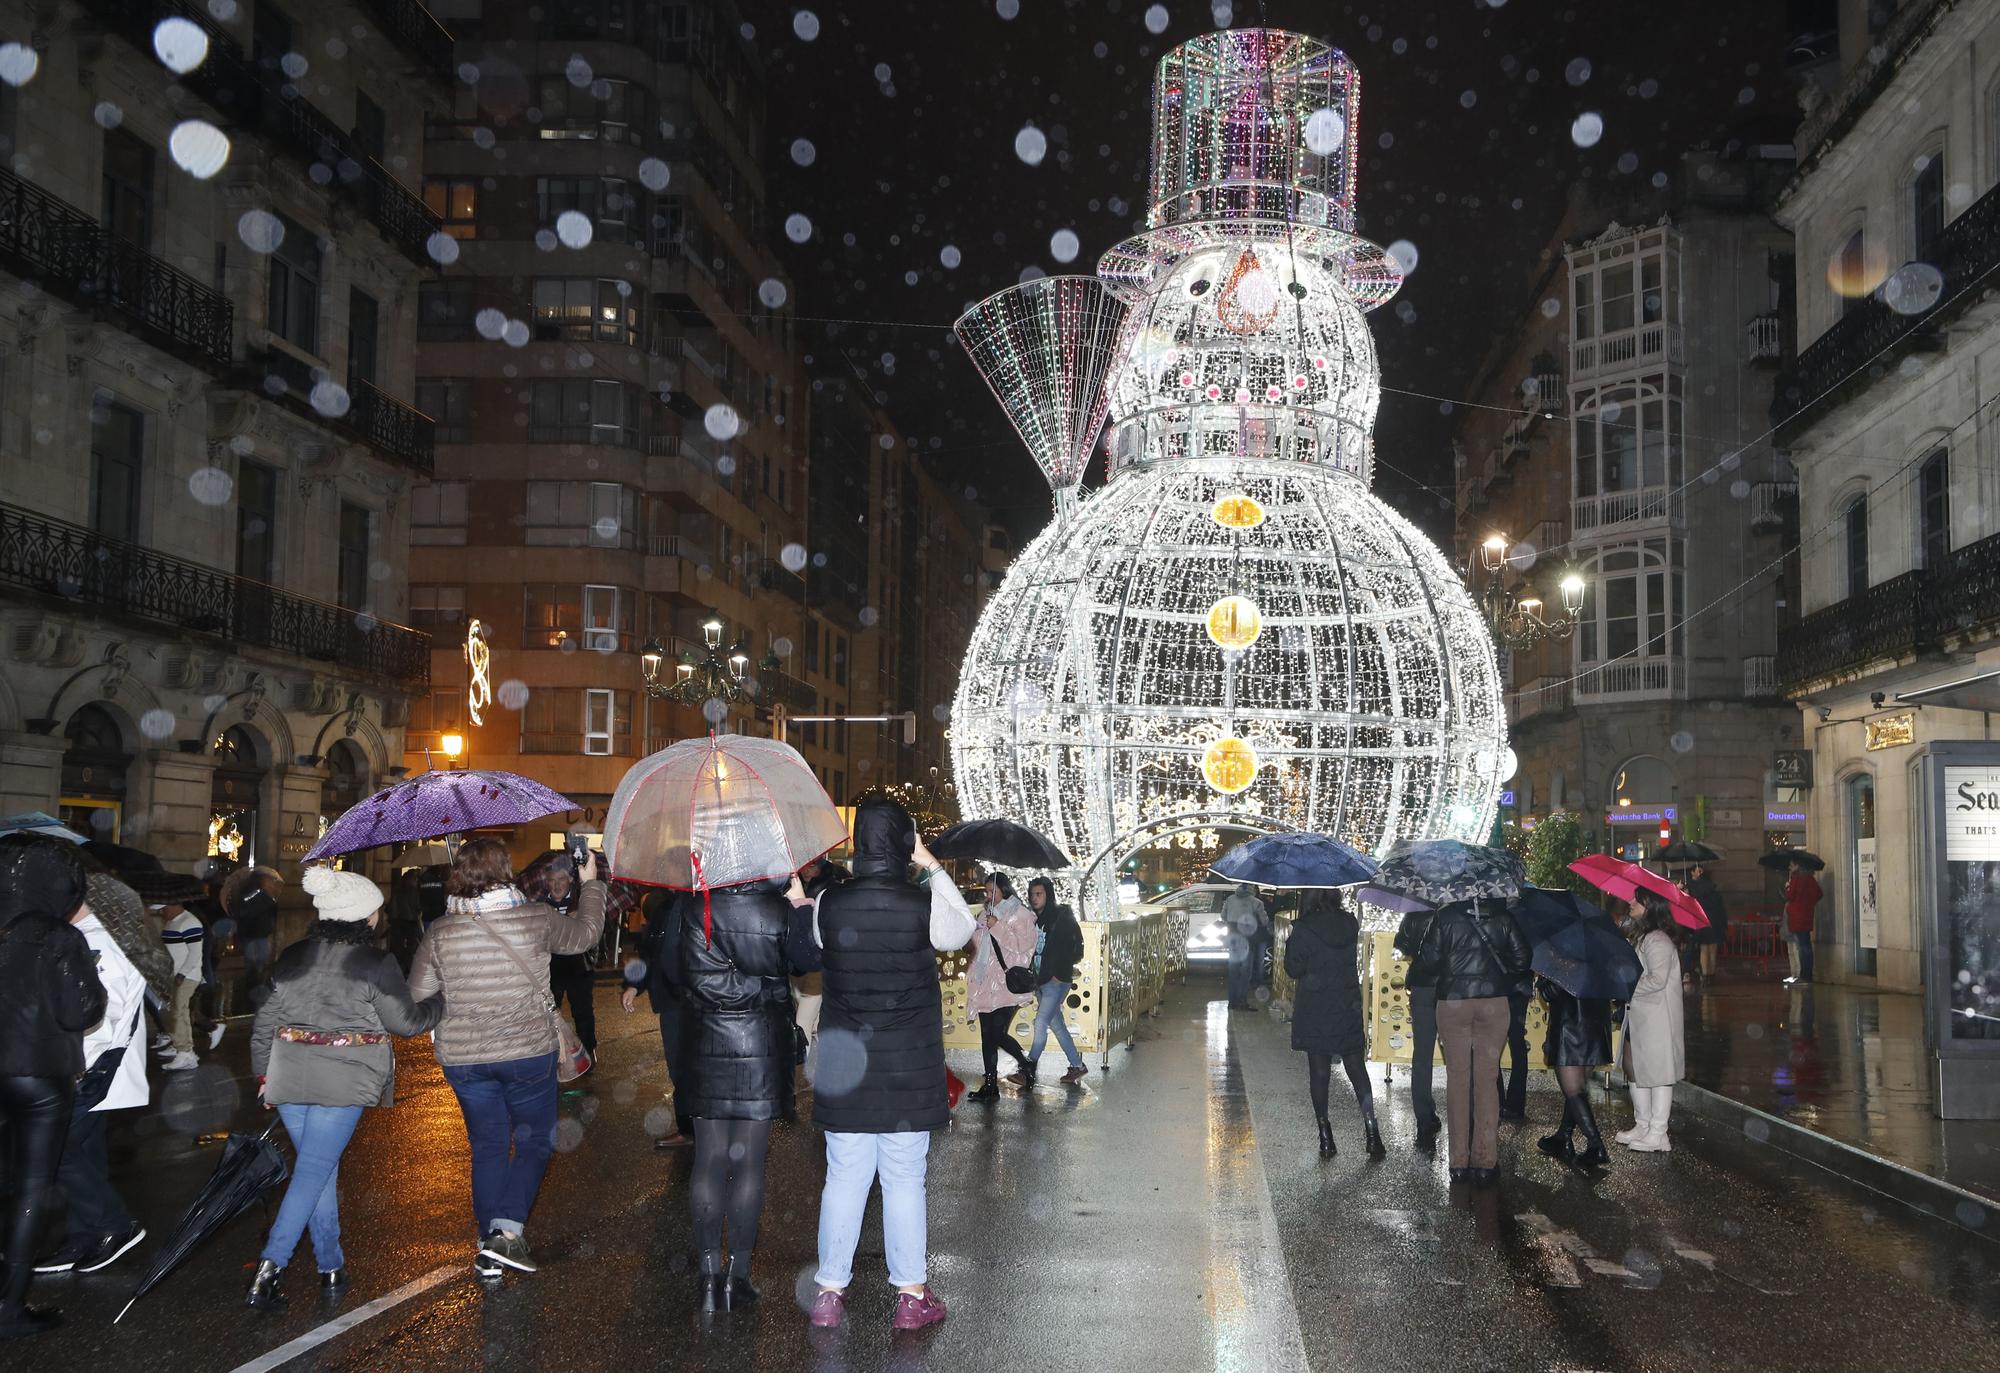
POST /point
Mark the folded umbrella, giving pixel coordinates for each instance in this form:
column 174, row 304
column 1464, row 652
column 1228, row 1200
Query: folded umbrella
column 1006, row 843
column 1577, row 946
column 250, row 1164
column 1441, row 871
column 1296, row 862
column 433, row 804
column 717, row 812
column 1687, row 851
column 1625, row 881
column 1784, row 858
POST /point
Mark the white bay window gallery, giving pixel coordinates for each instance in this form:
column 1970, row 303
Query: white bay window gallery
column 1630, row 636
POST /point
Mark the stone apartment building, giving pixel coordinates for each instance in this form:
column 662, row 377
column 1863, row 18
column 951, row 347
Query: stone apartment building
column 1618, row 444
column 208, row 432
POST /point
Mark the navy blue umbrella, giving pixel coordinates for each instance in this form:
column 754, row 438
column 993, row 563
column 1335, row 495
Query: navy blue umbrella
column 1295, row 861
column 1577, row 946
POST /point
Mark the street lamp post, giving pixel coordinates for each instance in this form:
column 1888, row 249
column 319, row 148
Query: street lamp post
column 718, row 677
column 1519, row 620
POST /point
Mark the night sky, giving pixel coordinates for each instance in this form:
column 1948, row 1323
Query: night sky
column 909, row 112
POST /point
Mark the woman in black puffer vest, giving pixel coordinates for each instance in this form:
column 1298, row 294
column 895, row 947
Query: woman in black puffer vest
column 49, row 995
column 737, row 1042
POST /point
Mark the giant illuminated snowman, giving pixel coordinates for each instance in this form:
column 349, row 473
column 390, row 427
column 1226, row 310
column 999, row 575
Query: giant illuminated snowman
column 1234, row 631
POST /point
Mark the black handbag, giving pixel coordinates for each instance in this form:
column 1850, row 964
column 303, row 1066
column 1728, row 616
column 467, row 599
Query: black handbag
column 94, row 1083
column 1021, row 978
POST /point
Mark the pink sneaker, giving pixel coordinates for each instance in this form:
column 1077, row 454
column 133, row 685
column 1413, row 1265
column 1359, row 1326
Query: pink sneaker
column 827, row 1309
column 916, row 1312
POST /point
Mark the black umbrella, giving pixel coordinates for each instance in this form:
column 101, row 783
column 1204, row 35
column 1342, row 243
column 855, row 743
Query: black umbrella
column 1577, row 946
column 249, row 1165
column 1784, row 858
column 122, row 858
column 1687, row 851
column 1004, row 842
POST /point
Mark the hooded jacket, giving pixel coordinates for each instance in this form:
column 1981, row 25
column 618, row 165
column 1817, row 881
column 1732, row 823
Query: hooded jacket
column 49, row 989
column 1472, row 950
column 881, row 1026
column 736, row 1026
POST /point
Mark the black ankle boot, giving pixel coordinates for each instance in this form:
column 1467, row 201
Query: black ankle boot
column 1594, row 1155
column 712, row 1287
column 1327, row 1148
column 267, row 1287
column 739, row 1295
column 1372, row 1134
column 1560, row 1145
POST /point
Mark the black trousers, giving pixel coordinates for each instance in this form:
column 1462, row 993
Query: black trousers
column 34, row 1117
column 95, row 1208
column 995, row 1034
column 578, row 987
column 672, row 1048
column 1423, row 1048
column 1514, row 1086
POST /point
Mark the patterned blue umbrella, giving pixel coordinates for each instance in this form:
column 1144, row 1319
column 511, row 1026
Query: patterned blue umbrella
column 1441, row 871
column 1295, row 862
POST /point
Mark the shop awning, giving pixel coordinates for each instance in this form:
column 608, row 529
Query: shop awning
column 1980, row 692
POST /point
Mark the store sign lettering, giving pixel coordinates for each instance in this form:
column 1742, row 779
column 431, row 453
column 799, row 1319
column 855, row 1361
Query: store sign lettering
column 1971, row 798
column 1972, row 815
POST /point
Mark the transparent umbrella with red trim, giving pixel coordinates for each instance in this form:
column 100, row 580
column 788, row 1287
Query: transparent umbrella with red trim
column 719, row 812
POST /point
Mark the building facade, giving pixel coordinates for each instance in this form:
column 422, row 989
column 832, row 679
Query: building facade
column 1618, row 445
column 1888, row 417
column 210, row 440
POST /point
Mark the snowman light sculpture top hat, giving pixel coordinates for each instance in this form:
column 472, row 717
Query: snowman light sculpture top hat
column 1233, row 632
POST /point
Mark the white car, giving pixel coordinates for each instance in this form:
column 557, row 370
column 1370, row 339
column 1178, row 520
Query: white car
column 1207, row 937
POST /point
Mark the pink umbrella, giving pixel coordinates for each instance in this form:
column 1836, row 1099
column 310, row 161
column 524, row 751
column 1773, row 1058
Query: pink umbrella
column 1624, row 881
column 718, row 812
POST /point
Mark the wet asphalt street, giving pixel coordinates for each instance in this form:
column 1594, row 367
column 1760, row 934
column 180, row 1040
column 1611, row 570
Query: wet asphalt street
column 1173, row 1215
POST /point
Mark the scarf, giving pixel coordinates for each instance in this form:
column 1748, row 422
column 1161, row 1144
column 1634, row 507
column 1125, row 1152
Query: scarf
column 493, row 899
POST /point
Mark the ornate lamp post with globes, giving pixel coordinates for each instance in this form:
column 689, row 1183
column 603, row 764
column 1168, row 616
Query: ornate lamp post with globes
column 1518, row 620
column 719, row 676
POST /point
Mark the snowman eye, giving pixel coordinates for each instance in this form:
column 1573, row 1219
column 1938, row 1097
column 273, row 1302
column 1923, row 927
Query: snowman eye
column 1198, row 287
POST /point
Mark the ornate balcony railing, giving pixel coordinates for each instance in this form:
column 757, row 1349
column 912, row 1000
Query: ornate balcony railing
column 246, row 97
column 1886, row 621
column 1646, row 345
column 776, row 687
column 417, row 30
column 1543, row 696
column 1764, row 337
column 1772, row 504
column 1634, row 678
column 395, row 430
column 1654, row 503
column 1760, row 677
column 82, row 567
column 1858, row 344
column 68, row 253
column 775, row 576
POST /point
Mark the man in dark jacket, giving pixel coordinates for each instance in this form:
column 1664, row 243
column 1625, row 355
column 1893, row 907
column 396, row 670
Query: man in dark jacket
column 880, row 1087
column 1423, row 1027
column 657, row 972
column 1058, row 949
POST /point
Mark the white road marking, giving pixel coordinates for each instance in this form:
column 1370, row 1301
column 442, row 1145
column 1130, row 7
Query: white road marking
column 1272, row 1317
column 340, row 1325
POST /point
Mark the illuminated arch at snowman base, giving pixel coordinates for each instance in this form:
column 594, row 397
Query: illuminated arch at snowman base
column 1096, row 883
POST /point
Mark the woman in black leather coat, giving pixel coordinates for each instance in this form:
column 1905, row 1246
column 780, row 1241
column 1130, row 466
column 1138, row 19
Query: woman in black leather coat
column 49, row 995
column 1579, row 1040
column 738, row 1059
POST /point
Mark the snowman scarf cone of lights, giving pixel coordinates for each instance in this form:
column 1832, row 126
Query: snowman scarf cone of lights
column 1234, row 633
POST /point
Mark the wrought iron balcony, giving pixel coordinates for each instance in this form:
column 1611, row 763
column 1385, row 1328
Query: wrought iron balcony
column 1861, row 344
column 397, row 431
column 248, row 98
column 775, row 576
column 776, row 687
column 82, row 567
column 416, row 29
column 1887, row 621
column 53, row 243
column 1764, row 337
column 1773, row 505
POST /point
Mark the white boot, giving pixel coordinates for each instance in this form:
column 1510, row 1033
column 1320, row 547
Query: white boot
column 1641, row 1108
column 1655, row 1141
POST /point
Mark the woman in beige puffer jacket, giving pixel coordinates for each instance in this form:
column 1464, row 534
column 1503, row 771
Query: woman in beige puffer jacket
column 489, row 956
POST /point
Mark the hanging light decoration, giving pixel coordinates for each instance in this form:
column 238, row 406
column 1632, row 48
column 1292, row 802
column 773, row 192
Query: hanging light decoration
column 1233, row 631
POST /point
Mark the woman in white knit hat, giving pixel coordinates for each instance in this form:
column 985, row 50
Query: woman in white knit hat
column 321, row 1053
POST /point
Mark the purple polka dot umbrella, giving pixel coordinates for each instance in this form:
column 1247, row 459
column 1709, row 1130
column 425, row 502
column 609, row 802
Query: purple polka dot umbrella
column 433, row 804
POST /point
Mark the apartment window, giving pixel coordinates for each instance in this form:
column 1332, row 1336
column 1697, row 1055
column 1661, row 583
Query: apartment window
column 355, row 527
column 293, row 303
column 586, row 308
column 1615, row 290
column 1934, row 509
column 256, row 521
column 442, row 710
column 1633, row 607
column 363, row 326
column 597, row 514
column 1927, row 206
column 812, row 646
column 448, row 402
column 607, row 722
column 117, row 457
column 455, row 202
column 128, row 188
column 840, row 663
column 669, row 217
column 438, row 503
column 607, row 617
column 1627, row 440
column 609, row 110
column 444, row 311
column 583, row 411
column 1855, row 527
column 551, row 616
column 433, row 605
column 371, row 127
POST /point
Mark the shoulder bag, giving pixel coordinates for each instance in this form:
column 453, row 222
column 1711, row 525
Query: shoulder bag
column 1020, row 977
column 572, row 1059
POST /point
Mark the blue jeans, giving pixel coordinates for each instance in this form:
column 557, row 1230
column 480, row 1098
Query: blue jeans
column 852, row 1164
column 1049, row 1000
column 1805, row 946
column 510, row 1117
column 319, row 1137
